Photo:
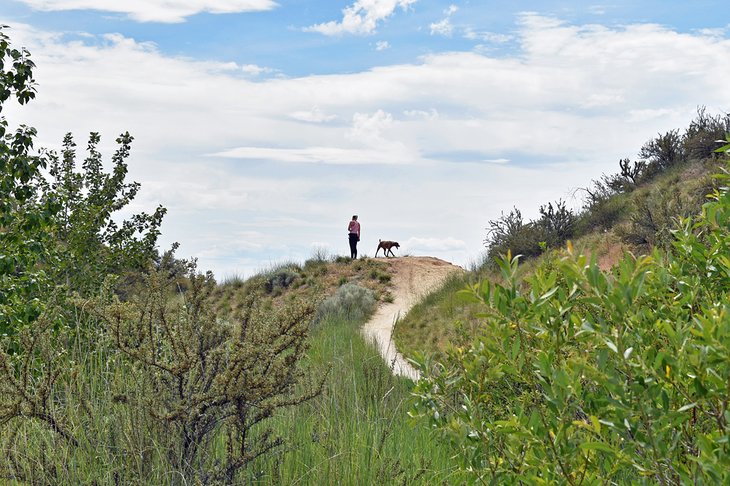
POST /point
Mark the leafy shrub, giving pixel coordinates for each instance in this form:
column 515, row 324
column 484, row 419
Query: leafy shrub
column 351, row 302
column 315, row 267
column 91, row 244
column 582, row 376
column 24, row 221
column 199, row 389
column 510, row 233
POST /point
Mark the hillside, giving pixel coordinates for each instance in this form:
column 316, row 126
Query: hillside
column 634, row 222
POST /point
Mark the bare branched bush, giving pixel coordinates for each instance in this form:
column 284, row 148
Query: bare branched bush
column 557, row 223
column 661, row 153
column 509, row 233
column 655, row 215
column 700, row 139
column 208, row 383
column 30, row 366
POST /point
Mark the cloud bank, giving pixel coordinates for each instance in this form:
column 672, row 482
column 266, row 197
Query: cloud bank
column 166, row 11
column 256, row 169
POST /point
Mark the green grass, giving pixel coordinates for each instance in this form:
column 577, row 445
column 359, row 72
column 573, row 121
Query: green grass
column 358, row 431
column 437, row 319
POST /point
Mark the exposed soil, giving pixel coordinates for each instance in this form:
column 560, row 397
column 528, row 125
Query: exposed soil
column 413, row 278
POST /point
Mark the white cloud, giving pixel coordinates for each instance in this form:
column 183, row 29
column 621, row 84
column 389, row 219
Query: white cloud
column 168, row 11
column 485, row 36
column 254, row 70
column 362, row 17
column 382, row 45
column 315, row 155
column 371, row 146
column 431, row 114
column 369, row 128
column 444, row 27
column 315, row 115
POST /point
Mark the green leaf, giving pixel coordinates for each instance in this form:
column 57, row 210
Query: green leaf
column 597, row 446
column 687, row 407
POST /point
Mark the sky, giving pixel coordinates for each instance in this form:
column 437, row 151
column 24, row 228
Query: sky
column 264, row 125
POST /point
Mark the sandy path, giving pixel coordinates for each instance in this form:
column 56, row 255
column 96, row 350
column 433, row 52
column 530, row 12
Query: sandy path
column 413, row 277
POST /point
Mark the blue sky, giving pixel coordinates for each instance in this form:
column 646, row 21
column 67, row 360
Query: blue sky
column 263, row 126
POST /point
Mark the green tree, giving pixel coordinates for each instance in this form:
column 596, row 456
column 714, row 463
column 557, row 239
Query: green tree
column 24, row 221
column 91, row 243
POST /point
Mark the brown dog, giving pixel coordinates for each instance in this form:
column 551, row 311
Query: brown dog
column 387, row 246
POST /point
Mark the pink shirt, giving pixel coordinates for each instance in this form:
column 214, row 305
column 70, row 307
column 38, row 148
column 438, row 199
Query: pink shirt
column 354, row 227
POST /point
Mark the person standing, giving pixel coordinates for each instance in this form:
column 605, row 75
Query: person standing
column 354, row 234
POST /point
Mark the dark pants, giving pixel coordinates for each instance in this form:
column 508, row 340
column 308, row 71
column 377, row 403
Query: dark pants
column 353, row 245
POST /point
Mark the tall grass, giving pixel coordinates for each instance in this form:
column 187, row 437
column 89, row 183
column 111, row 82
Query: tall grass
column 115, row 443
column 358, row 431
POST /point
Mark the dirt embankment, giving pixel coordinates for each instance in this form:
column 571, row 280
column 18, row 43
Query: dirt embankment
column 413, row 277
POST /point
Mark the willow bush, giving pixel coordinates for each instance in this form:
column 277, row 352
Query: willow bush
column 584, row 376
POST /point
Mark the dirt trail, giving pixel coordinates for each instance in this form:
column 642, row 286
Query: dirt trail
column 413, row 277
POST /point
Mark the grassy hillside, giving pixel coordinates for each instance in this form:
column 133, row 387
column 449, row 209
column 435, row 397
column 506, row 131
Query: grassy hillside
column 358, row 430
column 639, row 221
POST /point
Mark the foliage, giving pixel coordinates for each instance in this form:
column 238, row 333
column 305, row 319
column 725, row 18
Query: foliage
column 357, row 432
column 585, row 377
column 59, row 231
column 510, row 233
column 603, row 214
column 28, row 379
column 23, row 220
column 93, row 245
column 604, row 204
